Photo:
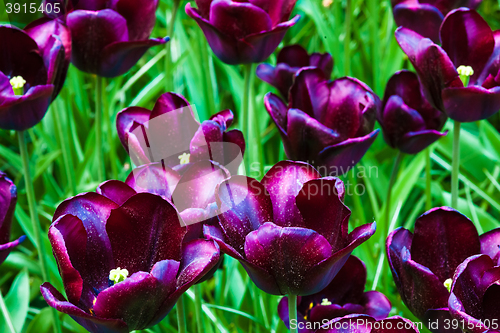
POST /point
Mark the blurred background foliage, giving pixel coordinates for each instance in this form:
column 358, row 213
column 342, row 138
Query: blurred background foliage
column 360, row 36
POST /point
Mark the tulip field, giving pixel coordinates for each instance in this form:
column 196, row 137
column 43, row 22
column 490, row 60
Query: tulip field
column 250, row 166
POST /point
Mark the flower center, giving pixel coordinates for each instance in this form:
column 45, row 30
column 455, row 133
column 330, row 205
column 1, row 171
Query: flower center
column 17, row 83
column 448, row 284
column 325, row 301
column 184, row 158
column 118, row 275
column 465, row 73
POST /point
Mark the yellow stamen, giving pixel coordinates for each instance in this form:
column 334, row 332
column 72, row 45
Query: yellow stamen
column 184, row 158
column 465, row 73
column 118, row 275
column 448, row 284
column 17, row 83
column 326, row 302
column 327, row 3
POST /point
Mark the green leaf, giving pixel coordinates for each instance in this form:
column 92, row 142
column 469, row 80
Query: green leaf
column 17, row 302
column 42, row 323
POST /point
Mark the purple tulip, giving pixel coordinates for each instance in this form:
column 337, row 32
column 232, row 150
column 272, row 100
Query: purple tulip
column 123, row 259
column 423, row 263
column 31, row 74
column 343, row 296
column 8, row 199
column 326, row 123
column 425, row 16
column 470, row 52
column 408, row 121
column 244, row 31
column 475, row 293
column 109, row 37
column 358, row 323
column 171, row 134
column 290, row 60
column 289, row 231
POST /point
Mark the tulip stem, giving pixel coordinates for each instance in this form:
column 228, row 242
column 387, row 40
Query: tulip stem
column 347, row 38
column 428, row 179
column 6, row 314
column 197, row 307
column 168, row 49
column 292, row 313
column 98, row 128
column 37, row 228
column 455, row 165
column 181, row 316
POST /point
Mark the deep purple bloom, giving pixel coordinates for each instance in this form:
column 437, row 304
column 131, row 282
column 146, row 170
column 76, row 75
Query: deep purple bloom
column 8, row 199
column 171, row 134
column 409, row 123
column 245, row 31
column 424, row 263
column 31, row 74
column 137, row 239
column 467, row 42
column 358, row 323
column 425, row 16
column 328, row 124
column 343, row 296
column 475, row 294
column 109, row 37
column 289, row 231
column 290, row 60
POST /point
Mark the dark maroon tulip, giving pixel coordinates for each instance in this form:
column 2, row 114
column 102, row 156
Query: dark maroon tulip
column 244, row 31
column 425, row 16
column 469, row 47
column 408, row 121
column 123, row 259
column 8, row 199
column 423, row 263
column 171, row 134
column 31, row 74
column 358, row 323
column 109, row 37
column 474, row 300
column 343, row 296
column 289, row 231
column 290, row 60
column 328, row 124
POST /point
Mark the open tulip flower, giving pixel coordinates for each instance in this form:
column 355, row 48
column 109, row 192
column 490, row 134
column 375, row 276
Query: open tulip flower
column 289, row 231
column 109, row 37
column 460, row 78
column 409, row 123
column 241, row 32
column 123, row 259
column 358, row 323
column 343, row 296
column 423, row 263
column 290, row 60
column 32, row 70
column 425, row 16
column 170, row 133
column 328, row 124
column 8, row 200
column 475, row 293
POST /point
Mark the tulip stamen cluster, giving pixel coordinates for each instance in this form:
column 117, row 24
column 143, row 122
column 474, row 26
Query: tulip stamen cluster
column 326, row 302
column 17, row 83
column 184, row 159
column 448, row 284
column 118, row 275
column 465, row 73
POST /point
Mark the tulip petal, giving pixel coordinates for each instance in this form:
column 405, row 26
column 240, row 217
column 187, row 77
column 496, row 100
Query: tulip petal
column 376, row 305
column 490, row 302
column 415, row 142
column 278, row 10
column 88, row 321
column 225, row 118
column 143, row 231
column 283, row 182
column 6, row 248
column 117, row 191
column 442, row 240
column 154, row 178
column 140, row 16
column 493, row 65
column 294, row 56
column 286, row 253
column 472, row 103
column 119, row 57
column 406, row 85
column 281, row 77
column 490, row 244
column 335, row 325
column 278, row 112
column 127, row 121
column 424, row 19
column 234, row 149
column 323, row 62
column 244, row 206
column 8, row 200
column 467, row 39
column 441, row 318
column 198, row 258
column 340, row 158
